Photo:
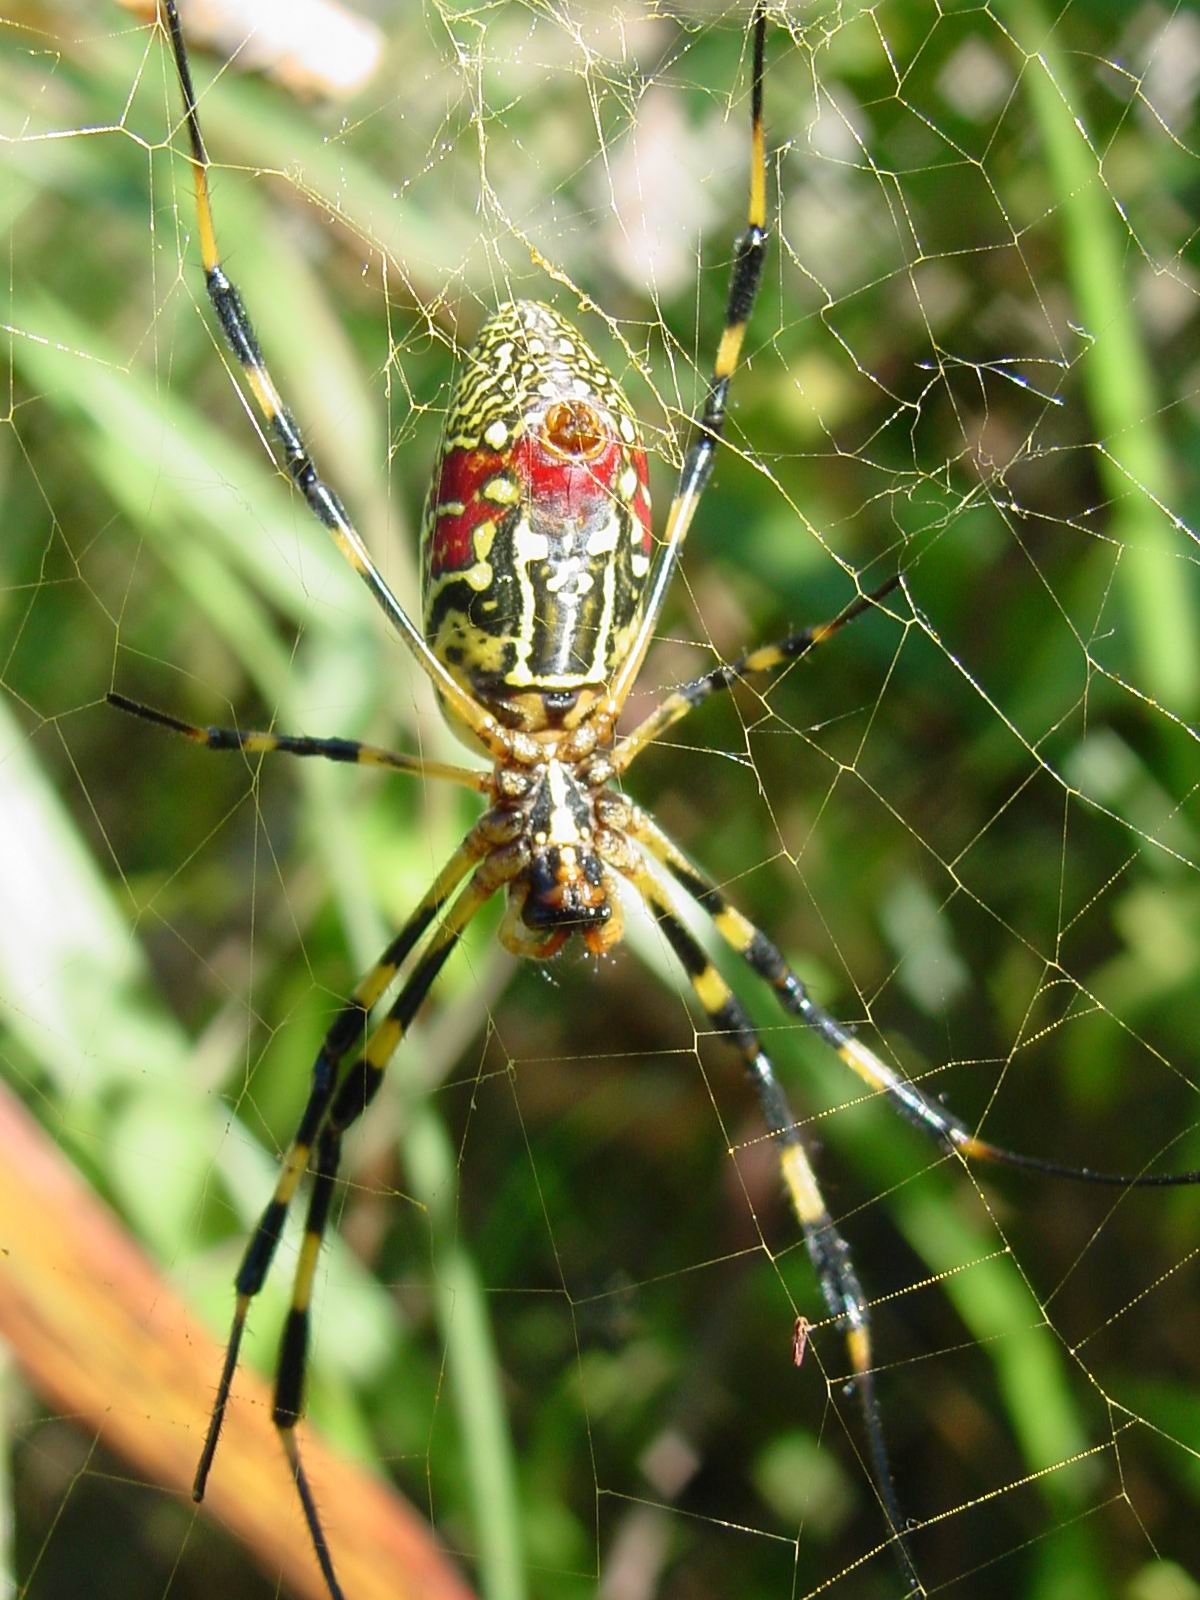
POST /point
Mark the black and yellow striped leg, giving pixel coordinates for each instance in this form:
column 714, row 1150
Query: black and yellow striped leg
column 355, row 1093
column 256, row 743
column 325, row 505
column 766, row 658
column 344, row 1033
column 827, row 1249
column 765, row 959
column 749, row 256
column 294, row 1347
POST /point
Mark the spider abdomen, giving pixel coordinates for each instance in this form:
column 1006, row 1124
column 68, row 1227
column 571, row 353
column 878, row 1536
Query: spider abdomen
column 537, row 540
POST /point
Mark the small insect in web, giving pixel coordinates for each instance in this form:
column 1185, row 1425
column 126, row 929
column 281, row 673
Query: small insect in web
column 543, row 583
column 801, row 1329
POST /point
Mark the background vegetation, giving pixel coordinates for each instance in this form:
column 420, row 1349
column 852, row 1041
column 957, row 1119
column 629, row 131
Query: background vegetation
column 971, row 820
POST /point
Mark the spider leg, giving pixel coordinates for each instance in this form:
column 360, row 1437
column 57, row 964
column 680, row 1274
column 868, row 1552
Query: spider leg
column 765, row 658
column 293, row 744
column 827, row 1249
column 344, row 1032
column 749, row 255
column 933, row 1119
column 338, row 1112
column 322, row 501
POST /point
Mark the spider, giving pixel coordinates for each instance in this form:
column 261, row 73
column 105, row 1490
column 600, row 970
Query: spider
column 543, row 583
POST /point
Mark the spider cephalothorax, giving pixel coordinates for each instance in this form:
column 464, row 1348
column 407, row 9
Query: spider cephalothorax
column 561, row 833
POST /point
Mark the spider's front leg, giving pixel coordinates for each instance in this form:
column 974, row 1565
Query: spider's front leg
column 355, row 1093
column 766, row 960
column 827, row 1249
column 333, row 1104
column 838, row 1281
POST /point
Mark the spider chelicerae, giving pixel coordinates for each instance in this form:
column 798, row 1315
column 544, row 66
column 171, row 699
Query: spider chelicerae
column 543, row 583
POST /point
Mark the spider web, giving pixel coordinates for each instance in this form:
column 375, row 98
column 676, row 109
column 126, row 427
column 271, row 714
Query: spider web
column 970, row 820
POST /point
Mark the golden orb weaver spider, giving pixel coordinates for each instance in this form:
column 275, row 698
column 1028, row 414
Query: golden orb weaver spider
column 520, row 470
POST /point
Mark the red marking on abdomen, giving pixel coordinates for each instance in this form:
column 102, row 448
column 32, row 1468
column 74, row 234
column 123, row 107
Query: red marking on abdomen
column 641, row 500
column 578, row 490
column 463, row 474
column 551, row 488
column 563, row 489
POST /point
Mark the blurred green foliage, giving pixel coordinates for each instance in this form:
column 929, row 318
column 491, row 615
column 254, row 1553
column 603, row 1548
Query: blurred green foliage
column 971, row 821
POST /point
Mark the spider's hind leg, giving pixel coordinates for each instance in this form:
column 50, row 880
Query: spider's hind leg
column 751, row 663
column 260, row 742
